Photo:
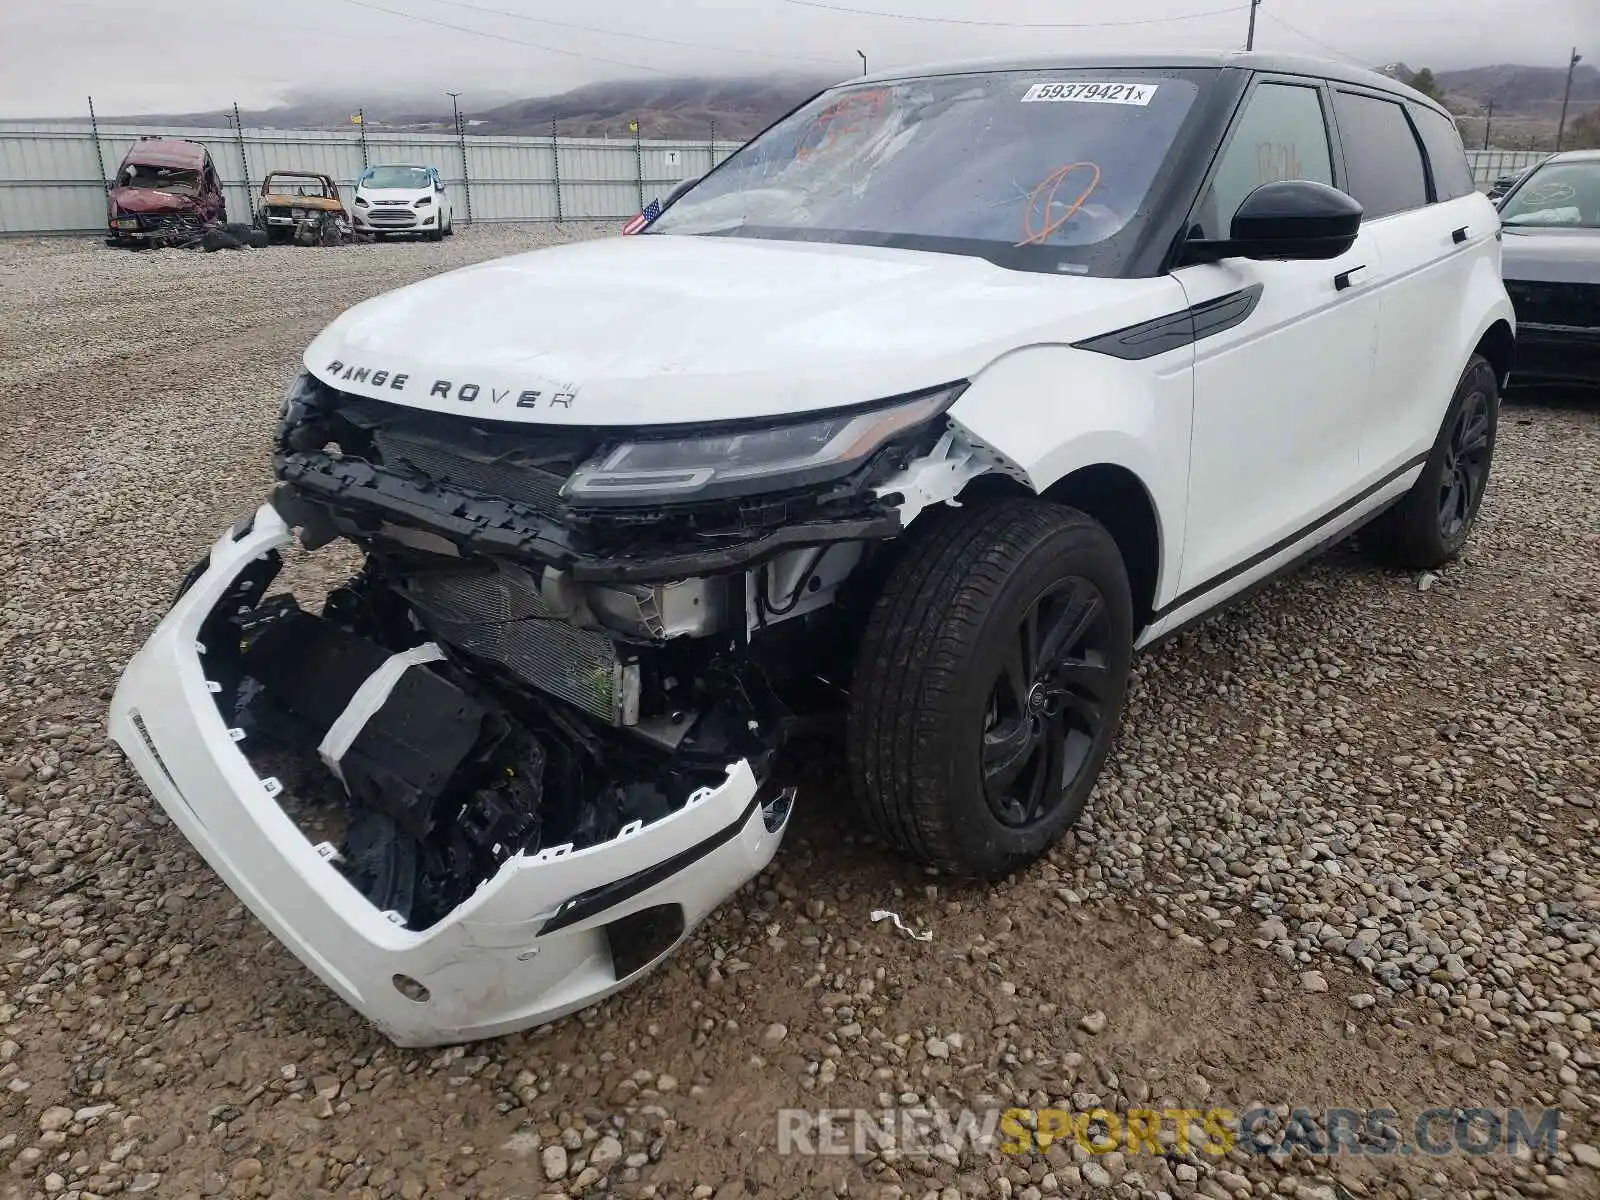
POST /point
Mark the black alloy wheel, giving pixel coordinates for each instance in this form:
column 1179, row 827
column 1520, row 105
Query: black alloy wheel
column 1429, row 525
column 989, row 682
column 1466, row 465
column 1047, row 707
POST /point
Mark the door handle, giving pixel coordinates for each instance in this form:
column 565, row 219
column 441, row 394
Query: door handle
column 1458, row 235
column 1342, row 279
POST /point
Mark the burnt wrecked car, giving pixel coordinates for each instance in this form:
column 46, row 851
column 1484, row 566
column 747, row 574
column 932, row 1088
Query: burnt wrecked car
column 302, row 207
column 166, row 192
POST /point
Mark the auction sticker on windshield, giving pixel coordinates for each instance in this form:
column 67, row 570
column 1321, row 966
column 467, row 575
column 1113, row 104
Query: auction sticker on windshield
column 1092, row 93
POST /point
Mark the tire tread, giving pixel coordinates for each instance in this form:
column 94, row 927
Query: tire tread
column 917, row 641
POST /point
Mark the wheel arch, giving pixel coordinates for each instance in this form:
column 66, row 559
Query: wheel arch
column 1498, row 344
column 1118, row 499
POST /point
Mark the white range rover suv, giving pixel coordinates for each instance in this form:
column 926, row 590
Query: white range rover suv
column 913, row 420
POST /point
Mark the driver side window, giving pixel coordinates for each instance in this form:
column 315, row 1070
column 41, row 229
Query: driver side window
column 1281, row 134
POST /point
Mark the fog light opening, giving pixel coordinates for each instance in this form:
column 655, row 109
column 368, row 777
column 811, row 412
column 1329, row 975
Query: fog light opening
column 775, row 812
column 411, row 989
column 640, row 938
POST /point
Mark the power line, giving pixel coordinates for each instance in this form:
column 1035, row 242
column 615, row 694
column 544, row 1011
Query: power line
column 500, row 37
column 866, row 12
column 1318, row 41
column 636, row 37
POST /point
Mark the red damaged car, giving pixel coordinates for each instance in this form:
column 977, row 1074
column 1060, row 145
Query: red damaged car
column 166, row 191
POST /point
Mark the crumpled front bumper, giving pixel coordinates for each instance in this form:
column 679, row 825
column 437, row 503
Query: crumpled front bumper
column 542, row 938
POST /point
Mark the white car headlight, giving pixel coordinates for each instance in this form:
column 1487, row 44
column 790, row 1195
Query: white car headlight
column 750, row 459
column 424, row 202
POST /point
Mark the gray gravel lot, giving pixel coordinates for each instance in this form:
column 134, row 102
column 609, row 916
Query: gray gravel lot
column 1345, row 854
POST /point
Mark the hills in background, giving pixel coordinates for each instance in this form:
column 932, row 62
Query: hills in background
column 1515, row 90
column 692, row 107
column 1526, row 102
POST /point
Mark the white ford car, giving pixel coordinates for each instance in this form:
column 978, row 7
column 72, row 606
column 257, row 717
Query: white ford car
column 918, row 416
column 397, row 200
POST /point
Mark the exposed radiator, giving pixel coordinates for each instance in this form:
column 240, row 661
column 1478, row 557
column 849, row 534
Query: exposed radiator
column 499, row 615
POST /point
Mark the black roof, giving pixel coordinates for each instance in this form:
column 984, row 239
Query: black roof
column 1245, row 60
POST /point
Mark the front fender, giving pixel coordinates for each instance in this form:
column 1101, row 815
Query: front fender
column 1053, row 410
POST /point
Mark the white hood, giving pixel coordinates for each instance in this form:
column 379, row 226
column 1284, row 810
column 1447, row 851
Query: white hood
column 408, row 195
column 665, row 329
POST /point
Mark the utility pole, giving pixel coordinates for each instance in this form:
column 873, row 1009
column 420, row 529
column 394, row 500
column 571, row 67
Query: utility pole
column 461, row 141
column 1488, row 120
column 1250, row 38
column 863, row 61
column 1561, row 128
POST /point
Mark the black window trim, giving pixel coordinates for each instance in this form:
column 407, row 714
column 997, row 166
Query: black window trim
column 1230, row 130
column 1427, row 157
column 1404, row 105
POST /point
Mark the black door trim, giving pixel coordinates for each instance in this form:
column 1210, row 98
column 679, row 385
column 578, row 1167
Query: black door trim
column 1278, row 547
column 1161, row 334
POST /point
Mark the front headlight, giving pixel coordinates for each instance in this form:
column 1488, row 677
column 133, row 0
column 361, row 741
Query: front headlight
column 424, row 202
column 742, row 461
column 361, row 202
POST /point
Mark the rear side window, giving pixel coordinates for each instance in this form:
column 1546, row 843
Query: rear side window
column 1452, row 178
column 1381, row 155
column 1280, row 135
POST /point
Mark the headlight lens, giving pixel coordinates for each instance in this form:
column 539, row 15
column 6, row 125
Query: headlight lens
column 743, row 461
column 425, row 201
column 361, row 202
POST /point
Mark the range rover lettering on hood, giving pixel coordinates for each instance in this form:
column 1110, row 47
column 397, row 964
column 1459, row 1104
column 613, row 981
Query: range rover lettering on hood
column 679, row 330
column 390, row 379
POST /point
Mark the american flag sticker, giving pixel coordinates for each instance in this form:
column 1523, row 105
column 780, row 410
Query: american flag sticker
column 650, row 213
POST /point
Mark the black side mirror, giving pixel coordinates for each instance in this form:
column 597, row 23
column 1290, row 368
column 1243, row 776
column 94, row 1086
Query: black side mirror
column 1290, row 219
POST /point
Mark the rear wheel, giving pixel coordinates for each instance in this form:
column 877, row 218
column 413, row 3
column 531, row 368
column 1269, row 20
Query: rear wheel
column 1431, row 523
column 989, row 685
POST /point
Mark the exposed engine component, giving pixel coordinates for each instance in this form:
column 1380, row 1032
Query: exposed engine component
column 446, row 786
column 498, row 612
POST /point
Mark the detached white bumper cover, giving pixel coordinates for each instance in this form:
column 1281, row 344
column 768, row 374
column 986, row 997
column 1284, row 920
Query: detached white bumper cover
column 542, row 938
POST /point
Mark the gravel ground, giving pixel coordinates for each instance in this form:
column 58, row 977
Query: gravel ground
column 1344, row 855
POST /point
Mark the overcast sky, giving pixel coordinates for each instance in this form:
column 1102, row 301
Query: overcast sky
column 185, row 55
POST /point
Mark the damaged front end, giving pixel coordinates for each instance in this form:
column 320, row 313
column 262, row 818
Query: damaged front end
column 506, row 767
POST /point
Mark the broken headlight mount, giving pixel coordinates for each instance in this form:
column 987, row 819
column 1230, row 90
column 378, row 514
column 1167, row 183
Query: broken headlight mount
column 663, row 503
column 666, row 467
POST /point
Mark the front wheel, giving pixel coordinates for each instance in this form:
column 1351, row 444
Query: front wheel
column 1429, row 525
column 989, row 685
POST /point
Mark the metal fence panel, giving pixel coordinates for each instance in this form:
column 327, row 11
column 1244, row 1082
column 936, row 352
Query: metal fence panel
column 50, row 177
column 1490, row 165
